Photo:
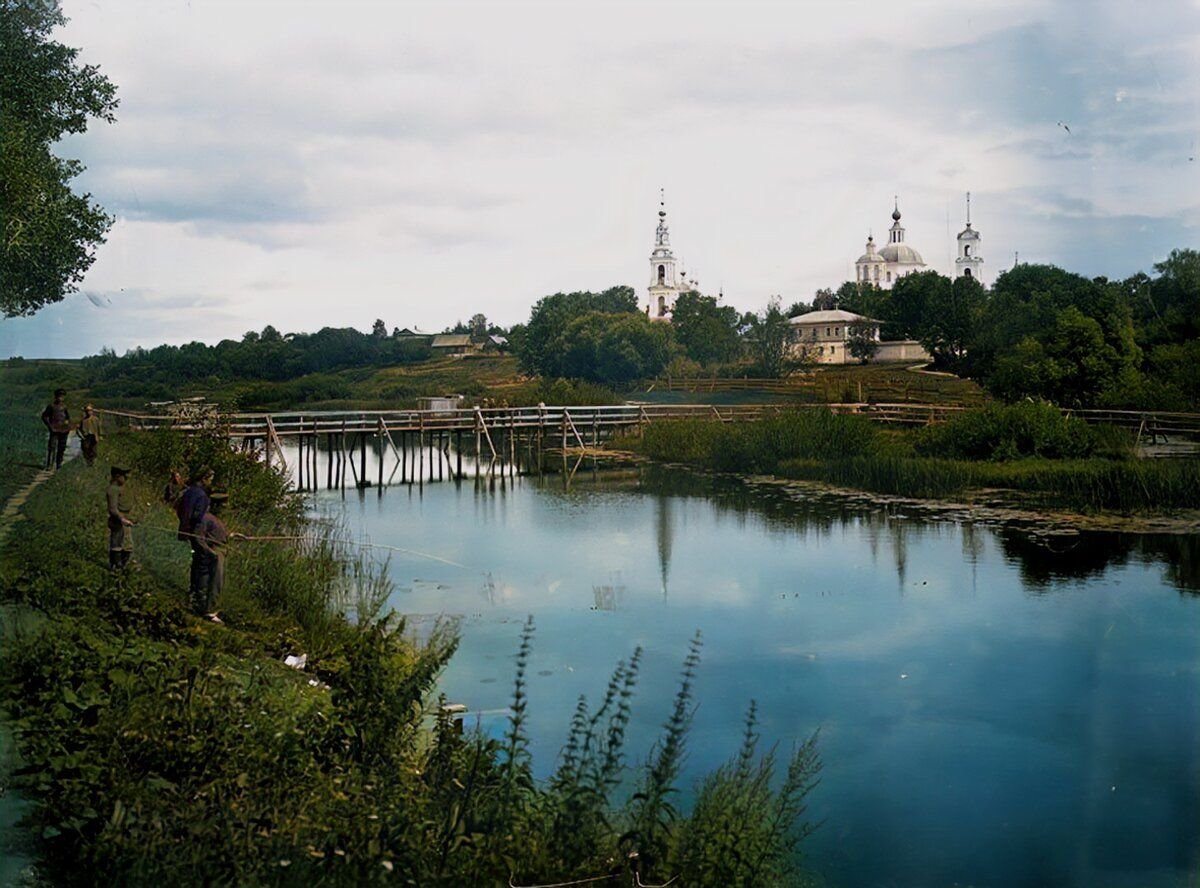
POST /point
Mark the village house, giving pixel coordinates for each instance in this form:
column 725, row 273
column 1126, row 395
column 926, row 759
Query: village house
column 824, row 337
column 452, row 344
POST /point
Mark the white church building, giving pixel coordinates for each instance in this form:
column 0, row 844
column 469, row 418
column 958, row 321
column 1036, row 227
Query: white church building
column 667, row 280
column 883, row 267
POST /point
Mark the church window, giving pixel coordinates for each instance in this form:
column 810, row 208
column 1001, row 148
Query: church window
column 966, row 249
column 889, row 277
column 877, row 273
column 662, row 274
column 837, row 331
column 967, row 272
column 662, row 304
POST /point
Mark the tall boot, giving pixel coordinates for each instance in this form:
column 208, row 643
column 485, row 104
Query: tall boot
column 114, row 559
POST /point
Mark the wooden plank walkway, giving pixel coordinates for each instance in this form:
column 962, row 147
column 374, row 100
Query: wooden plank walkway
column 301, row 423
column 420, row 445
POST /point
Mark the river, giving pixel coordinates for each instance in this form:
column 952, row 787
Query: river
column 996, row 708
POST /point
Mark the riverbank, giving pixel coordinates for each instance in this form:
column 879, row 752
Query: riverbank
column 161, row 747
column 1029, row 457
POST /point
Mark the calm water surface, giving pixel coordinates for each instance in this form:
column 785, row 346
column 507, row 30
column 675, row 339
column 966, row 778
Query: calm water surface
column 993, row 709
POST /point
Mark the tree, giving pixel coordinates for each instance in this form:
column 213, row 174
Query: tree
column 824, row 300
column 49, row 232
column 951, row 319
column 1175, row 296
column 538, row 345
column 861, row 342
column 770, row 337
column 1048, row 333
column 614, row 348
column 707, row 331
column 905, row 310
column 479, row 327
column 862, row 298
column 379, row 329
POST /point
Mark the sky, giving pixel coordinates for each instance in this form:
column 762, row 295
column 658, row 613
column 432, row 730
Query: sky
column 310, row 164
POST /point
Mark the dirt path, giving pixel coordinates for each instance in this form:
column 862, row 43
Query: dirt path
column 16, row 865
column 12, row 509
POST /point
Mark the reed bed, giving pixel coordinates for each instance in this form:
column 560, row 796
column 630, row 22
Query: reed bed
column 1030, row 449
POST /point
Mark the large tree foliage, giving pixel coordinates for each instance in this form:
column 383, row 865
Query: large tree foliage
column 168, row 370
column 771, row 338
column 950, row 317
column 1168, row 306
column 708, row 332
column 1048, row 333
column 613, row 349
column 538, row 344
column 48, row 233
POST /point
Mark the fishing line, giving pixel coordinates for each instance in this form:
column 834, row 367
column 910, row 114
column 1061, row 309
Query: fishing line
column 272, row 538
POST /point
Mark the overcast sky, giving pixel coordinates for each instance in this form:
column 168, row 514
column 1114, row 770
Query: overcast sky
column 312, row 164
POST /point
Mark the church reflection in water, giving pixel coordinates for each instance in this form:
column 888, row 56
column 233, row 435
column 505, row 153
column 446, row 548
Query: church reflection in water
column 1045, row 560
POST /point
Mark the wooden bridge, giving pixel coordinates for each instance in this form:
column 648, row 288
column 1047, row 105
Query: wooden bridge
column 513, row 439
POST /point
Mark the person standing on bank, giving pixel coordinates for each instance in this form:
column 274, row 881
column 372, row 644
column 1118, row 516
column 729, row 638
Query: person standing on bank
column 89, row 434
column 191, row 508
column 211, row 537
column 174, row 489
column 57, row 420
column 120, row 526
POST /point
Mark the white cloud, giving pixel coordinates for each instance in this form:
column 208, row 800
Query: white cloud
column 329, row 163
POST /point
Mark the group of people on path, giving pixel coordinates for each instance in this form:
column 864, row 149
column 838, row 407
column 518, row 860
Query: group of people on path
column 196, row 505
column 57, row 420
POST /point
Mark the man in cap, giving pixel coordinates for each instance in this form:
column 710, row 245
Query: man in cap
column 57, row 420
column 89, row 434
column 210, row 540
column 120, row 526
column 191, row 508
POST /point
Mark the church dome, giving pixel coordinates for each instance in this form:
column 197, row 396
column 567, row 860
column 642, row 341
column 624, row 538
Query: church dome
column 901, row 253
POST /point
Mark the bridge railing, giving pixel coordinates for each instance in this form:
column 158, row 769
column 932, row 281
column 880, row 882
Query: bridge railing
column 289, row 424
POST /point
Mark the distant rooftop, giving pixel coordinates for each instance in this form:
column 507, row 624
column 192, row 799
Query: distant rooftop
column 828, row 317
column 451, row 340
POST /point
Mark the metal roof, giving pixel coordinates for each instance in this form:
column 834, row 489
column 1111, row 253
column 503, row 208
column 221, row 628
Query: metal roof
column 828, row 317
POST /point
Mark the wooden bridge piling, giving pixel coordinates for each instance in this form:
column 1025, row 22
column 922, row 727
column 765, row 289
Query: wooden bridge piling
column 516, row 441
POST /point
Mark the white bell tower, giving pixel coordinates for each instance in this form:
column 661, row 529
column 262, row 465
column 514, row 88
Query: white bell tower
column 969, row 263
column 664, row 279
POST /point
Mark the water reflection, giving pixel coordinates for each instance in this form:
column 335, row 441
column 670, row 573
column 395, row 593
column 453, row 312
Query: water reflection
column 1045, row 560
column 973, row 733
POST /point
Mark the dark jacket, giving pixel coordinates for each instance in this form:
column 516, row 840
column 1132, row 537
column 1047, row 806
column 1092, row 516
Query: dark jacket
column 191, row 508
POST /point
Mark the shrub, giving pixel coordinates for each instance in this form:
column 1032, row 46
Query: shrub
column 760, row 446
column 1002, row 432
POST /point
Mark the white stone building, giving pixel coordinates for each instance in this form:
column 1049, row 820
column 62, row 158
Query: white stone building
column 824, row 336
column 891, row 263
column 666, row 281
column 969, row 262
column 883, row 267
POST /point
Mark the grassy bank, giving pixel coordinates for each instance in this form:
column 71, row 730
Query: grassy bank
column 161, row 748
column 495, row 378
column 1031, row 450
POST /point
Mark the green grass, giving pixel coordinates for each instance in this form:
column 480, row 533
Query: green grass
column 1026, row 449
column 163, row 749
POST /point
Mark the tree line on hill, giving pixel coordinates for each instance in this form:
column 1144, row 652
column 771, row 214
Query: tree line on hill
column 267, row 355
column 1041, row 332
